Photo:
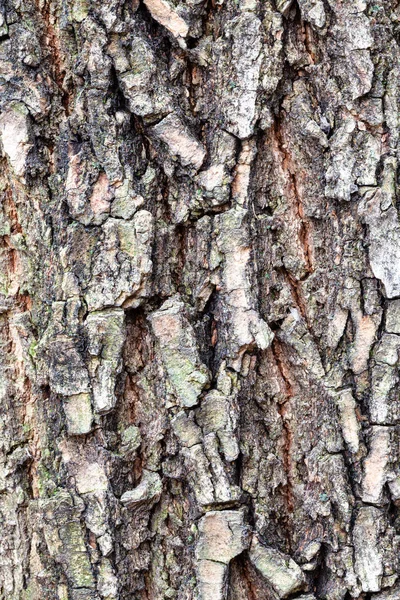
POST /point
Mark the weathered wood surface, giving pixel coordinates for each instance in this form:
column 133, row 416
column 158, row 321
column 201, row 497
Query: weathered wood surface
column 200, row 300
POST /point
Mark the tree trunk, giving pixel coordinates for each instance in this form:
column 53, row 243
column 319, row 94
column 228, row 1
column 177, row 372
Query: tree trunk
column 200, row 300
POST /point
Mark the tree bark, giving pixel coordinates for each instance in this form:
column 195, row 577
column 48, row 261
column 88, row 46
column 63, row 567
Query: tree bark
column 200, row 300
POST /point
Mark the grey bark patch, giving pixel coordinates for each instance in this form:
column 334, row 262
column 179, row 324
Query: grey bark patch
column 280, row 571
column 180, row 141
column 179, row 351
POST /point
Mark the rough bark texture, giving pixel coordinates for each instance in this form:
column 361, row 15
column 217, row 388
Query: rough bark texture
column 200, row 299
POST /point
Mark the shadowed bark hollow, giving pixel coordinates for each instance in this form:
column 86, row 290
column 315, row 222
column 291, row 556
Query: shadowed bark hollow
column 199, row 300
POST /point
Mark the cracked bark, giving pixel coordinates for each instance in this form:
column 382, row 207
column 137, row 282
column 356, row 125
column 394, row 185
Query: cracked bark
column 199, row 300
